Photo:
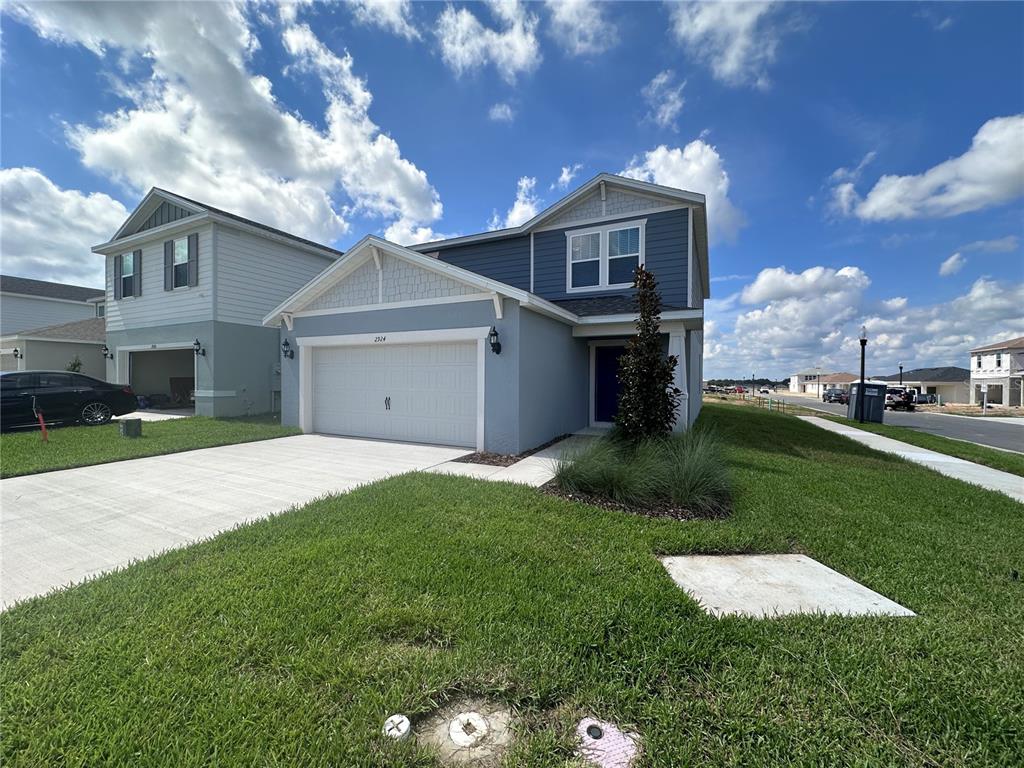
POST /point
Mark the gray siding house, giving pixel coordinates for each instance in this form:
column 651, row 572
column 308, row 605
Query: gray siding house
column 187, row 288
column 27, row 304
column 499, row 341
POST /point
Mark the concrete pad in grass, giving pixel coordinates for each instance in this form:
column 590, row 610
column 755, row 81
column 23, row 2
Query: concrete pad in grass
column 764, row 586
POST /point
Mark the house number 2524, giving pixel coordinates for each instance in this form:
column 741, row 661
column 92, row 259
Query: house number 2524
column 379, row 339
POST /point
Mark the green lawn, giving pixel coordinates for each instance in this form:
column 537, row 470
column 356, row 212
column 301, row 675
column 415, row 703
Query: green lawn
column 24, row 453
column 990, row 457
column 288, row 641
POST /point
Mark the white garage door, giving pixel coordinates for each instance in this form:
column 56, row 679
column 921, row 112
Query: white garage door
column 422, row 393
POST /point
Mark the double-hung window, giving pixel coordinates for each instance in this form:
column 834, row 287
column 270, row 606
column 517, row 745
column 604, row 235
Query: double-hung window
column 181, row 262
column 999, row 359
column 128, row 274
column 604, row 257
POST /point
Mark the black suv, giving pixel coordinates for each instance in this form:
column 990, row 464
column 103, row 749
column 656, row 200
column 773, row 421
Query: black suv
column 61, row 397
column 834, row 396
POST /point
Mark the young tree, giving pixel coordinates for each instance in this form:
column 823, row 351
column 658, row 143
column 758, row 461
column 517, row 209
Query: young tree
column 647, row 398
column 75, row 365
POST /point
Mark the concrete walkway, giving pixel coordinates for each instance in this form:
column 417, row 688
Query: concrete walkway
column 534, row 470
column 968, row 471
column 59, row 528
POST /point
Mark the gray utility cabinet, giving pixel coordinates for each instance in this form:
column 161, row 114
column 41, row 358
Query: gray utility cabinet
column 874, row 402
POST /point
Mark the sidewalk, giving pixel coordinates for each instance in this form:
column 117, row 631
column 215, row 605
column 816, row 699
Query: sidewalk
column 968, row 471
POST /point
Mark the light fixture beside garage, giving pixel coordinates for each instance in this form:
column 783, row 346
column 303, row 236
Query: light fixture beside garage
column 492, row 337
column 286, row 350
column 107, row 354
column 198, row 348
column 18, row 354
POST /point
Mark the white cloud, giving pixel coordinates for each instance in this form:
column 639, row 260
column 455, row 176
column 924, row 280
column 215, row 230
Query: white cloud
column 567, row 175
column 394, row 16
column 523, row 209
column 1001, row 245
column 697, row 167
column 581, row 27
column 853, row 174
column 777, row 283
column 502, row 113
column 952, row 265
column 738, row 41
column 468, row 45
column 664, row 99
column 204, row 125
column 48, row 231
column 990, row 172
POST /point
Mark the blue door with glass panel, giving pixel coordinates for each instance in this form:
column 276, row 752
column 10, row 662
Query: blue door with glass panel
column 606, row 382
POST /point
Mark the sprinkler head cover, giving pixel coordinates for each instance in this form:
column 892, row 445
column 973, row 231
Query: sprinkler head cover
column 397, row 727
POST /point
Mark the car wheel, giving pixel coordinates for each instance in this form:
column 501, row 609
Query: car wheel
column 94, row 414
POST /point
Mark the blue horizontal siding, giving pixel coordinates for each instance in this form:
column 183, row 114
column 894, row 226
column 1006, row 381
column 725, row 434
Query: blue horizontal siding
column 665, row 253
column 507, row 260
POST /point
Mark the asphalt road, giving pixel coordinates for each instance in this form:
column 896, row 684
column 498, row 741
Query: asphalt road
column 976, row 429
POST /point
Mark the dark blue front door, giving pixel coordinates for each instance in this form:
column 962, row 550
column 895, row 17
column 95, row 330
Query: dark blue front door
column 606, row 382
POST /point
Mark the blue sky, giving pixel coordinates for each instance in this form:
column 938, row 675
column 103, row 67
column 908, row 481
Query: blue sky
column 864, row 163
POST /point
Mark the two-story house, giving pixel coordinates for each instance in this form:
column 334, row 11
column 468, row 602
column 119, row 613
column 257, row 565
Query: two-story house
column 498, row 341
column 999, row 367
column 187, row 288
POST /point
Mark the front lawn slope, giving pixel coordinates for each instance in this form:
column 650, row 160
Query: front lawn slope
column 287, row 642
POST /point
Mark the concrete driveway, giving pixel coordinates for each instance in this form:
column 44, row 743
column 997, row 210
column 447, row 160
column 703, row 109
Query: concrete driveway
column 60, row 527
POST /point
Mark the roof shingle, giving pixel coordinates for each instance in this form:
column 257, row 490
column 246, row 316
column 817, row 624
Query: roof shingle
column 29, row 287
column 92, row 329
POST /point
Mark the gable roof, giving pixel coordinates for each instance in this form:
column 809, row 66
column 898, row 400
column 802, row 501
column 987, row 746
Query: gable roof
column 839, row 378
column 943, row 373
column 93, row 329
column 354, row 258
column 200, row 211
column 694, row 199
column 1017, row 343
column 29, row 287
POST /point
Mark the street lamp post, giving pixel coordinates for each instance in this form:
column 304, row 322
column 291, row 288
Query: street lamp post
column 860, row 394
column 901, row 373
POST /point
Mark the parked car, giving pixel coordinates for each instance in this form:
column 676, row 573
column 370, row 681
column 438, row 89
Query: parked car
column 923, row 399
column 61, row 397
column 835, row 395
column 897, row 399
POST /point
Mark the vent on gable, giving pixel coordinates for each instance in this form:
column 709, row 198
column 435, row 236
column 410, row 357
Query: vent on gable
column 433, row 254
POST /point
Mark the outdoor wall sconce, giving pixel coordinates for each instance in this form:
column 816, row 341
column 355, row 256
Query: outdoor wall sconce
column 198, row 348
column 107, row 354
column 17, row 354
column 492, row 337
column 286, row 349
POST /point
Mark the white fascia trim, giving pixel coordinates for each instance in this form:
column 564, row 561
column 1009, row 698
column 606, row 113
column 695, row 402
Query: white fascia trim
column 396, row 305
column 85, row 303
column 396, row 337
column 155, row 193
column 115, row 246
column 59, row 341
column 675, row 314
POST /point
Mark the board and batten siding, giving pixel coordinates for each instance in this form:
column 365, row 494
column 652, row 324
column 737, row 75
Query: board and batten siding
column 156, row 306
column 665, row 254
column 506, row 260
column 25, row 313
column 255, row 274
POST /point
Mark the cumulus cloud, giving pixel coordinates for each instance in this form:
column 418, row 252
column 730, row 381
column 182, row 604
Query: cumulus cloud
column 502, row 113
column 664, row 97
column 523, row 209
column 952, row 265
column 394, row 16
column 777, row 283
column 989, row 173
column 738, row 41
column 580, row 26
column 1006, row 244
column 697, row 167
column 205, row 125
column 47, row 231
column 467, row 45
column 567, row 175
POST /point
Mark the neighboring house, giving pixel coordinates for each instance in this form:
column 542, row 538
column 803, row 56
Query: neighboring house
column 56, row 347
column 949, row 383
column 837, row 381
column 806, row 382
column 1000, row 367
column 187, row 287
column 26, row 304
column 498, row 341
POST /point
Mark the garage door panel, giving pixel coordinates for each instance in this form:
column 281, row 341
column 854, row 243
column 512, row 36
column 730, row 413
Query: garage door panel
column 432, row 390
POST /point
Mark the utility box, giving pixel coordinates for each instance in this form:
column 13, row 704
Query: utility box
column 874, row 402
column 130, row 427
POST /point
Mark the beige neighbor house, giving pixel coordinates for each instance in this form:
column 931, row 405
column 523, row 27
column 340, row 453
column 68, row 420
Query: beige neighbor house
column 815, row 382
column 998, row 367
column 949, row 383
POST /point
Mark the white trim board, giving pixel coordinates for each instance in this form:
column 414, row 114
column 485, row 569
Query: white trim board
column 83, row 303
column 396, row 305
column 603, row 255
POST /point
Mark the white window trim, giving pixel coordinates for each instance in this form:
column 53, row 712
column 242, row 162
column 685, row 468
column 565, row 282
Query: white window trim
column 602, row 284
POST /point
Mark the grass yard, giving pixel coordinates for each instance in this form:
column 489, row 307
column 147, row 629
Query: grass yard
column 287, row 642
column 24, row 453
column 980, row 454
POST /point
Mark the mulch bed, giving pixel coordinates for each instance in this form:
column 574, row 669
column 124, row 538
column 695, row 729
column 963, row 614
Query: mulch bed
column 504, row 459
column 659, row 511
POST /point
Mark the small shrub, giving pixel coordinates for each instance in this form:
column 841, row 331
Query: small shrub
column 75, row 366
column 685, row 472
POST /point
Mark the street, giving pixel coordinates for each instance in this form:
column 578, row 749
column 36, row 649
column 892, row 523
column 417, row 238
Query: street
column 976, row 429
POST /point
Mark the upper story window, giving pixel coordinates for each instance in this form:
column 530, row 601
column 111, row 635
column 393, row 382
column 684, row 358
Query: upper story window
column 128, row 274
column 604, row 257
column 977, row 363
column 181, row 262
column 101, row 309
column 999, row 359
